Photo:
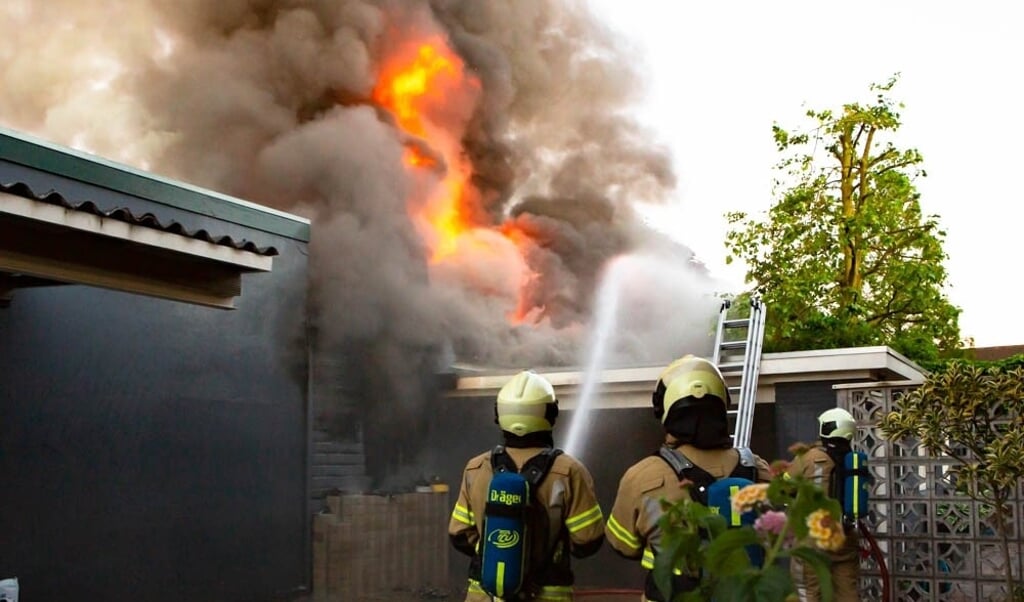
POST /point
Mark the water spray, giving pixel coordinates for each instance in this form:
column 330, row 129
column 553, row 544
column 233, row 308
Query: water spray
column 605, row 316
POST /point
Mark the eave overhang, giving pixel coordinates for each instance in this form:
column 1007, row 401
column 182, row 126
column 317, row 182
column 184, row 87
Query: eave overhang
column 45, row 242
column 632, row 387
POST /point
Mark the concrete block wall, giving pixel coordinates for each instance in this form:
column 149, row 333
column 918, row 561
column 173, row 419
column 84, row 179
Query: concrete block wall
column 336, row 465
column 374, row 547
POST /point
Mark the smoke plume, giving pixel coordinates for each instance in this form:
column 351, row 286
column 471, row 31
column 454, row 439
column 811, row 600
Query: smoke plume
column 279, row 102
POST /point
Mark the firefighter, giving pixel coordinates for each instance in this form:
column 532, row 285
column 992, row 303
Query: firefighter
column 526, row 409
column 835, row 429
column 691, row 400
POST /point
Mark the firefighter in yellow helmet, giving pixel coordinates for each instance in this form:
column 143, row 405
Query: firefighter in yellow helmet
column 836, row 428
column 570, row 516
column 691, row 400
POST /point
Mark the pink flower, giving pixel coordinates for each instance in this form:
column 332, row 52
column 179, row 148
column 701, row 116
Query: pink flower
column 772, row 522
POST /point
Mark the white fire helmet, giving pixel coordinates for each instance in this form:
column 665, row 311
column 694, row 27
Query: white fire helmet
column 836, row 423
column 526, row 404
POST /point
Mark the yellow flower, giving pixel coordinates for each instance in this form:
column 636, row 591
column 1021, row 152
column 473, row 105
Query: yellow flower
column 746, row 498
column 826, row 531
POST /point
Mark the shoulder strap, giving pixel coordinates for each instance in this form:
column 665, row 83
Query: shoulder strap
column 501, row 461
column 746, row 457
column 680, row 464
column 746, row 467
column 537, row 467
column 686, row 469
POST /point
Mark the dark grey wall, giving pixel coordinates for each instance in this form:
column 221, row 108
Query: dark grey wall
column 797, row 406
column 617, row 439
column 153, row 450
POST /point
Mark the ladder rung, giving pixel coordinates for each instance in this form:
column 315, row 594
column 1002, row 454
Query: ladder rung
column 740, row 358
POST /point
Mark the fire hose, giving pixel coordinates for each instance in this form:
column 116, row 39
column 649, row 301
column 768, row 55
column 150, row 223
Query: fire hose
column 873, row 551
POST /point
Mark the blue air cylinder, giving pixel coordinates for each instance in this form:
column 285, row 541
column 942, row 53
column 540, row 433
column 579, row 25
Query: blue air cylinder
column 503, row 558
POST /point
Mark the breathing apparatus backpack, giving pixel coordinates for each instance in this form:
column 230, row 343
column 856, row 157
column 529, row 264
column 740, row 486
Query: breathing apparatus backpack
column 515, row 524
column 717, row 493
column 851, row 485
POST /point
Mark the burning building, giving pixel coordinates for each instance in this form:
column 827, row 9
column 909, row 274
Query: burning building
column 469, row 168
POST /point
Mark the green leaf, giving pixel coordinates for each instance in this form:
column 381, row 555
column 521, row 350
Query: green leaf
column 773, row 583
column 675, row 546
column 726, row 554
column 736, row 588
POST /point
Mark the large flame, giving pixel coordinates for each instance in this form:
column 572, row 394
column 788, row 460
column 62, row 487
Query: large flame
column 420, row 84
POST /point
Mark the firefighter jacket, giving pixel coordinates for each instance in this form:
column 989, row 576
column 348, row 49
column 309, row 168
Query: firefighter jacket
column 816, row 464
column 632, row 529
column 574, row 518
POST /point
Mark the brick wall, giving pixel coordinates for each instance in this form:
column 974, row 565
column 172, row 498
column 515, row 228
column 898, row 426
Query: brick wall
column 372, row 547
column 336, row 464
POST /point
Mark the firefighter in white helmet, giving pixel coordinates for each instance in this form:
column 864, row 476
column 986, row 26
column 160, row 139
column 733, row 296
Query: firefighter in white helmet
column 836, row 428
column 526, row 410
column 691, row 400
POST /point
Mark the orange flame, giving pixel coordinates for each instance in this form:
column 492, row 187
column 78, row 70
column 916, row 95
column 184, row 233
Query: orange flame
column 525, row 311
column 416, row 85
column 407, row 87
column 419, row 85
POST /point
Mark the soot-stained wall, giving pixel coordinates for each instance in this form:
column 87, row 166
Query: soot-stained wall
column 154, row 450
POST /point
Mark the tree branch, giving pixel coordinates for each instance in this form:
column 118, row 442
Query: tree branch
column 893, row 166
column 882, row 157
column 862, row 184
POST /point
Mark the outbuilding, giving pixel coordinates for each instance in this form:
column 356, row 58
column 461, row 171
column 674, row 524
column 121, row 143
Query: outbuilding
column 153, row 385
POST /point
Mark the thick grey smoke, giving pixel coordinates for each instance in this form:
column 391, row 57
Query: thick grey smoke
column 270, row 100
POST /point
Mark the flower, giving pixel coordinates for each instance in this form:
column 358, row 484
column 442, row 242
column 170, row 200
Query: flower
column 772, row 522
column 826, row 531
column 746, row 498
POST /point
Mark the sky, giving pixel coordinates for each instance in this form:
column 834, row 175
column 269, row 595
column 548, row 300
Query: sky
column 718, row 74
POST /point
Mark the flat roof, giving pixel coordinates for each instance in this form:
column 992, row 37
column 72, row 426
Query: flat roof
column 631, row 387
column 23, row 149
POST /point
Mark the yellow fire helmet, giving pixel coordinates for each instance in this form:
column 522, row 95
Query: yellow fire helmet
column 836, row 423
column 688, row 378
column 526, row 404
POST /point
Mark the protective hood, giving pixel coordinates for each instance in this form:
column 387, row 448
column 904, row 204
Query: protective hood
column 703, row 424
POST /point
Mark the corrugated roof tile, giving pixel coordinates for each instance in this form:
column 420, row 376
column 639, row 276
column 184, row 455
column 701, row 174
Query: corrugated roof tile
column 147, row 220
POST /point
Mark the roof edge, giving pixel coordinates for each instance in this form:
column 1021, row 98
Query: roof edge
column 773, row 365
column 30, row 151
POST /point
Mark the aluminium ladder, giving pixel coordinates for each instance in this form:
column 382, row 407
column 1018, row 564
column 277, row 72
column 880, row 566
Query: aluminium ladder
column 738, row 353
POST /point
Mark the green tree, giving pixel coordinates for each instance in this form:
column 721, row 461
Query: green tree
column 844, row 256
column 972, row 414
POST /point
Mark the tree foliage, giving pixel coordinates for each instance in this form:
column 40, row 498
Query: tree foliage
column 971, row 413
column 845, row 256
